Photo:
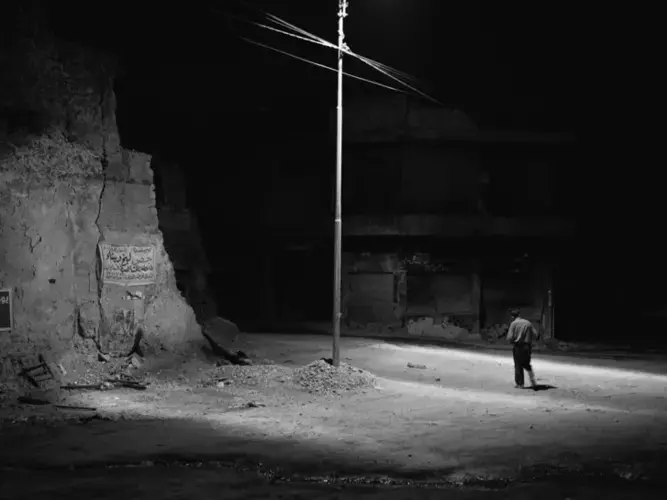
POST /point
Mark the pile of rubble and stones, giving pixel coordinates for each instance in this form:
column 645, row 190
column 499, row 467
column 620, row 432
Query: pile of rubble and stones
column 319, row 378
column 322, row 378
column 494, row 332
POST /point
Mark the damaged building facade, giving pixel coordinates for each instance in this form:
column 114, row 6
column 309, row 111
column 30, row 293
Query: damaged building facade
column 446, row 226
column 81, row 252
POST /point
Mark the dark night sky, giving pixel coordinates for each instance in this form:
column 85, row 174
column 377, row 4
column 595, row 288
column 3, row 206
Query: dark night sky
column 511, row 65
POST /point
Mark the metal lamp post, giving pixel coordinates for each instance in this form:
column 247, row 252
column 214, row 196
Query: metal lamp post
column 338, row 220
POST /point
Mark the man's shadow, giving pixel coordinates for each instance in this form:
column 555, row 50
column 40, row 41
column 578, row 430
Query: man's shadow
column 542, row 387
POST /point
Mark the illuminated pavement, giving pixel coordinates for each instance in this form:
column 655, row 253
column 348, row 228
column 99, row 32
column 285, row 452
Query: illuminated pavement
column 460, row 417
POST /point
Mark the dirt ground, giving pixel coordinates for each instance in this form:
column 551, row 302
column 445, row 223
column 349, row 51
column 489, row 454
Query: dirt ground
column 596, row 429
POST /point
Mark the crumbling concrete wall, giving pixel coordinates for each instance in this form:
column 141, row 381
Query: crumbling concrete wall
column 373, row 290
column 377, row 297
column 66, row 185
column 128, row 216
column 419, row 295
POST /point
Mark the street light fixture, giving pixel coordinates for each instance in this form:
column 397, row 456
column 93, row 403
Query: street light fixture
column 338, row 221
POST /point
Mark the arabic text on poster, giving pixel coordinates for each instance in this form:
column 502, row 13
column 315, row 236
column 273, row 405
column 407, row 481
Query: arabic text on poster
column 128, row 265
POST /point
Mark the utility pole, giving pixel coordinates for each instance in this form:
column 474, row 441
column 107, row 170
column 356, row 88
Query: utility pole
column 338, row 216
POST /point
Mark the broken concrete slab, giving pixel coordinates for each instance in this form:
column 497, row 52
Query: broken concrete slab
column 222, row 331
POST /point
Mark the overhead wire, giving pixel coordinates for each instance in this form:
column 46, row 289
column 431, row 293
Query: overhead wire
column 414, row 89
column 254, row 42
column 304, row 35
column 382, row 68
column 321, row 41
column 271, row 28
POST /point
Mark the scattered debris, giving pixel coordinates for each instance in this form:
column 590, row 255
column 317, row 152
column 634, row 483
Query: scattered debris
column 136, row 361
column 321, row 377
column 254, row 404
column 107, row 385
column 129, row 384
column 222, row 382
column 71, row 407
column 447, row 328
column 247, row 376
column 37, row 374
column 247, row 405
column 417, row 366
column 32, row 401
column 99, row 387
column 26, row 400
column 238, row 358
column 494, row 332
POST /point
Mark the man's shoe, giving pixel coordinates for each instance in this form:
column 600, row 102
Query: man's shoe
column 517, row 386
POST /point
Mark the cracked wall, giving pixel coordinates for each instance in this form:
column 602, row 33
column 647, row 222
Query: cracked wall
column 66, row 185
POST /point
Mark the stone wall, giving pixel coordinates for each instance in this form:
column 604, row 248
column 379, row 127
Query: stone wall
column 423, row 296
column 66, row 185
column 407, row 295
column 128, row 216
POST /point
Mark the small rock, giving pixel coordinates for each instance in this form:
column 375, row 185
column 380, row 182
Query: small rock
column 416, row 366
column 223, row 383
column 437, row 379
column 103, row 357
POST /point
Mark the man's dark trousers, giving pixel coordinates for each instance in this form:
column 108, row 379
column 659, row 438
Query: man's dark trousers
column 522, row 354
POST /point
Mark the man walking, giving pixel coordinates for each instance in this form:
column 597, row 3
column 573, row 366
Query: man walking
column 521, row 335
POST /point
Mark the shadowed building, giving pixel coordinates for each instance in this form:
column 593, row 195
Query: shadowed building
column 446, row 224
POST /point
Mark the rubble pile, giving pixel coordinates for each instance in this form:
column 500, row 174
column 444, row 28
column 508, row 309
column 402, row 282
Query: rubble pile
column 7, row 391
column 256, row 376
column 494, row 332
column 93, row 369
column 321, row 377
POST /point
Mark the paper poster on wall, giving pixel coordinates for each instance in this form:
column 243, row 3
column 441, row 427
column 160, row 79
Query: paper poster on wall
column 128, row 265
column 6, row 313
